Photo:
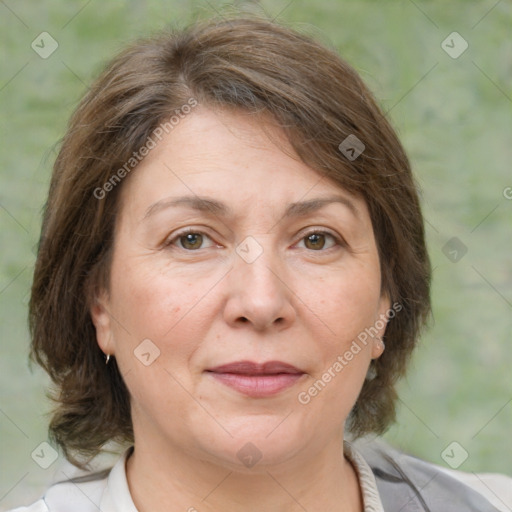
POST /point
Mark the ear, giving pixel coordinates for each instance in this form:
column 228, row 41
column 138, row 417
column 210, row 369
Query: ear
column 381, row 323
column 103, row 323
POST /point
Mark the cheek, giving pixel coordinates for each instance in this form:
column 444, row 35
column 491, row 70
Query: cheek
column 347, row 302
column 151, row 304
column 148, row 304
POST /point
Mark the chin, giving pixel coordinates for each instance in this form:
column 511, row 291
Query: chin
column 254, row 447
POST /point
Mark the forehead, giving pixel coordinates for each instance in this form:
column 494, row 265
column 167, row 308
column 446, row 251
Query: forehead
column 242, row 159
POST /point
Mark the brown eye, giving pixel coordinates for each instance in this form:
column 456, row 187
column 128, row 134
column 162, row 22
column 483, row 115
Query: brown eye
column 319, row 240
column 315, row 241
column 191, row 241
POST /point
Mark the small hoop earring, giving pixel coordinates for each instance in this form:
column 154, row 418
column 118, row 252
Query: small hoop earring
column 107, row 358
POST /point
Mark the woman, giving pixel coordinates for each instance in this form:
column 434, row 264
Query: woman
column 231, row 278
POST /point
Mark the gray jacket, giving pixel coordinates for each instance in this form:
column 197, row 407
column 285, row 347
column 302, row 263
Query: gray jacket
column 408, row 484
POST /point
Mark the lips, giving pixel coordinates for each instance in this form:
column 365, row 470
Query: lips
column 257, row 380
column 250, row 368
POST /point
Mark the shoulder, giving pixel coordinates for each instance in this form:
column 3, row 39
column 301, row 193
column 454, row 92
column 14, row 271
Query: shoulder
column 406, row 481
column 495, row 487
column 106, row 490
column 38, row 506
column 84, row 494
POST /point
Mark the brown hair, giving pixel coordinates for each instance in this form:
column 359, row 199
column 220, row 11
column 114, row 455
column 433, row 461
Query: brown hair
column 243, row 63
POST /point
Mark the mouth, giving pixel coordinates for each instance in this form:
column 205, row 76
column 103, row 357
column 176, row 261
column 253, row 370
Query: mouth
column 257, row 380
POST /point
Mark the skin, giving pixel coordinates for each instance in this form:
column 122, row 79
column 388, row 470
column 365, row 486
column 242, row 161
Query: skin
column 301, row 301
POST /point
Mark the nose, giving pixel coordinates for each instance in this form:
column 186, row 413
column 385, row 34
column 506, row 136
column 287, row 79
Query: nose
column 258, row 293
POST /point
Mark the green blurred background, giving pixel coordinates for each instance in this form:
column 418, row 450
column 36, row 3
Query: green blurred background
column 453, row 116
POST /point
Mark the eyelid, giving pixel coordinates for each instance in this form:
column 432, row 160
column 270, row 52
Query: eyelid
column 169, row 241
column 340, row 241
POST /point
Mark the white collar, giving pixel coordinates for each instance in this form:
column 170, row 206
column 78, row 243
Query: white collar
column 367, row 483
column 116, row 496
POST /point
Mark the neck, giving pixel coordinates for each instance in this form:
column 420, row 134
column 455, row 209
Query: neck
column 172, row 480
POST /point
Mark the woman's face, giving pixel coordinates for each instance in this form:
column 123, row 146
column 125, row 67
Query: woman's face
column 240, row 279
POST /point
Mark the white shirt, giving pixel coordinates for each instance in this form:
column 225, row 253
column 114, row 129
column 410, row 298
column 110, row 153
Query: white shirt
column 112, row 494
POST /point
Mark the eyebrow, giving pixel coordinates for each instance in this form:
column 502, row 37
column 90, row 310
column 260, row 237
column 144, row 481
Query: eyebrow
column 209, row 205
column 202, row 204
column 302, row 208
